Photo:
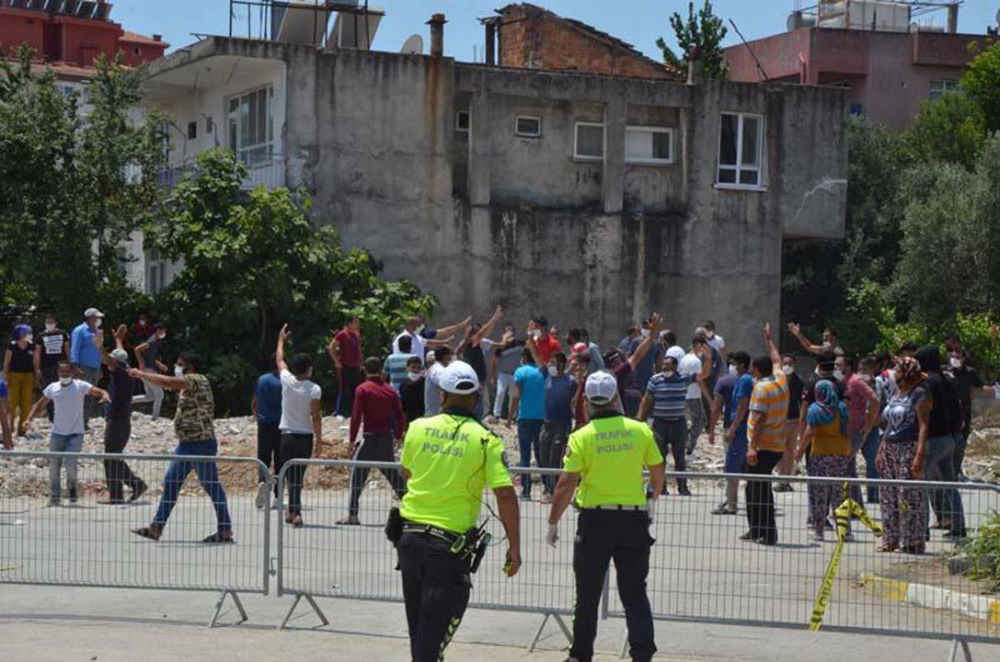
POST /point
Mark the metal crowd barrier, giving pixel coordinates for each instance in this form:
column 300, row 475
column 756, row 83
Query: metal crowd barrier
column 88, row 543
column 700, row 569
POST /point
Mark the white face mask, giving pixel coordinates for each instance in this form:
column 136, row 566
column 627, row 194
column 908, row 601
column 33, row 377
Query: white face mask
column 536, row 334
column 838, row 374
column 420, row 328
column 178, row 371
column 733, row 370
column 710, row 334
column 788, row 370
column 553, row 371
column 65, row 381
column 98, row 322
column 645, row 333
column 161, row 336
column 955, row 363
column 50, row 327
column 29, row 338
column 669, row 374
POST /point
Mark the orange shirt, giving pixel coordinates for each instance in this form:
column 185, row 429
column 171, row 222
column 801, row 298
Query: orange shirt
column 770, row 397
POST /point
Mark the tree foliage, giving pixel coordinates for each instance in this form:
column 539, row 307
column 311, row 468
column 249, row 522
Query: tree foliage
column 252, row 262
column 700, row 34
column 982, row 82
column 72, row 186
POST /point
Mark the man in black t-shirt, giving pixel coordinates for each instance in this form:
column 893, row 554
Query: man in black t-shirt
column 51, row 347
column 121, row 388
column 411, row 390
column 966, row 378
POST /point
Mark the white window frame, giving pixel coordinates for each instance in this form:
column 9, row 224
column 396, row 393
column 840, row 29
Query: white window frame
column 942, row 87
column 576, row 142
column 248, row 153
column 738, row 167
column 649, row 129
column 524, row 134
column 458, row 121
column 156, row 269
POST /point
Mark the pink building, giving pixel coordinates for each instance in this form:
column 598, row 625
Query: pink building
column 891, row 68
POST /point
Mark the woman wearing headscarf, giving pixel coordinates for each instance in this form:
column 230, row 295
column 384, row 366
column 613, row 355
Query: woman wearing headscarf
column 901, row 457
column 829, row 445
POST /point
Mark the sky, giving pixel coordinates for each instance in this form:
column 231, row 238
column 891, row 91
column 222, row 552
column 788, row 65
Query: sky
column 639, row 22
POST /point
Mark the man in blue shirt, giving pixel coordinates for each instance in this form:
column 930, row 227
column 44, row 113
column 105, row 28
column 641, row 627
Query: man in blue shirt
column 84, row 355
column 267, row 410
column 666, row 399
column 528, row 403
column 736, row 432
column 560, row 390
column 651, row 363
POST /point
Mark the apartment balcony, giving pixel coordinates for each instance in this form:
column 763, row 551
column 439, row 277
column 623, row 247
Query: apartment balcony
column 264, row 168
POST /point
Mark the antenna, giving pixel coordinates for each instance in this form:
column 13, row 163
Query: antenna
column 413, row 46
column 760, row 67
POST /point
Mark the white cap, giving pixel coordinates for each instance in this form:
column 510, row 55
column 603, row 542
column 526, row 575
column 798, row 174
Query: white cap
column 120, row 355
column 602, row 387
column 676, row 352
column 92, row 312
column 459, row 379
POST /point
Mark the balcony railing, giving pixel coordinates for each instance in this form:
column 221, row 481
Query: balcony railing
column 267, row 170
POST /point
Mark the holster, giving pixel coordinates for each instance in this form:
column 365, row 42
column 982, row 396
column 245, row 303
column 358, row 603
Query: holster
column 394, row 526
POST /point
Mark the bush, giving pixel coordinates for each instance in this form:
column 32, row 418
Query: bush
column 984, row 551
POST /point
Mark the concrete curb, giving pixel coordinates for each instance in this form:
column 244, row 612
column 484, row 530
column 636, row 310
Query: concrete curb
column 933, row 597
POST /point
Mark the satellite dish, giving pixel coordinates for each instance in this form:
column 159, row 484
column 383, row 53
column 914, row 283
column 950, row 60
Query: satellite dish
column 413, row 46
column 792, row 24
column 998, row 17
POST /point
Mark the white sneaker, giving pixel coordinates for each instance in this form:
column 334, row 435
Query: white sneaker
column 261, row 500
column 340, row 419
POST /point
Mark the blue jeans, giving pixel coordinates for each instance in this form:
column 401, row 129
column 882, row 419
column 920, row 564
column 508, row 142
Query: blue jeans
column 529, row 432
column 869, row 450
column 63, row 443
column 940, row 466
column 208, row 476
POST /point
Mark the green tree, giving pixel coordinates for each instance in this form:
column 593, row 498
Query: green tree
column 982, row 82
column 700, row 35
column 952, row 128
column 253, row 262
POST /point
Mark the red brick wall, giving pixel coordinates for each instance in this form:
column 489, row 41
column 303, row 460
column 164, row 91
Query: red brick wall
column 533, row 40
column 19, row 28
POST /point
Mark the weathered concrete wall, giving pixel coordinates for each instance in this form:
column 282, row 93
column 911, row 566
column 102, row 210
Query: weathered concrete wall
column 598, row 243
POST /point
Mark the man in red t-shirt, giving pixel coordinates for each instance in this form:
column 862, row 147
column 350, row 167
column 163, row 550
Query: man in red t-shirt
column 546, row 343
column 345, row 351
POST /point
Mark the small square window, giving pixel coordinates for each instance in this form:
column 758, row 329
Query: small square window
column 463, row 121
column 649, row 144
column 192, row 130
column 589, row 142
column 528, row 126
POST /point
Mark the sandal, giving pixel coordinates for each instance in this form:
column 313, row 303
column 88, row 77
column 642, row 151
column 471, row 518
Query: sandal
column 296, row 521
column 219, row 538
column 150, row 532
column 887, row 549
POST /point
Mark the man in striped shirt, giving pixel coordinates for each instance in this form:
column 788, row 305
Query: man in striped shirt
column 768, row 413
column 666, row 395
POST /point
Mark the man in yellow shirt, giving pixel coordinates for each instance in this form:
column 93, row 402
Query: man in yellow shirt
column 448, row 460
column 768, row 413
column 605, row 459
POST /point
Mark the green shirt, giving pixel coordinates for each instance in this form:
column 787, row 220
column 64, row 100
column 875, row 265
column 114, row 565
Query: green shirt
column 610, row 452
column 451, row 458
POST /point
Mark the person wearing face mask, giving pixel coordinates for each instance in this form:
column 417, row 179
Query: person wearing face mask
column 528, row 406
column 651, row 363
column 869, row 367
column 395, row 365
column 377, row 407
column 560, row 390
column 195, row 429
column 736, row 429
column 19, row 371
column 118, row 430
column 83, row 353
column 665, row 398
column 829, row 340
column 68, row 396
column 424, row 338
column 148, row 355
column 691, row 365
column 51, row 347
column 301, row 422
column 474, row 349
column 966, row 378
column 547, row 344
column 863, row 405
column 787, row 463
column 411, row 390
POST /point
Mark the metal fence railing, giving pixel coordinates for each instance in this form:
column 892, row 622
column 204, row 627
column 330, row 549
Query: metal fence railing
column 700, row 569
column 88, row 542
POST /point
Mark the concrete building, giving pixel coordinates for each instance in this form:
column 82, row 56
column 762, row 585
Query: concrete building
column 890, row 64
column 591, row 199
column 529, row 37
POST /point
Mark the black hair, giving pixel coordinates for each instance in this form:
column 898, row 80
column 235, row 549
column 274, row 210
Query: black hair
column 764, row 364
column 709, row 325
column 405, row 344
column 352, row 318
column 159, row 326
column 64, row 364
column 441, row 353
column 373, row 365
column 192, row 360
column 272, row 362
column 560, row 358
column 830, row 331
column 870, row 360
column 528, row 357
column 952, row 337
column 742, row 359
column 584, row 335
column 850, row 361
column 826, row 359
column 573, row 335
column 698, row 340
column 414, row 360
column 884, row 357
column 670, row 358
column 911, row 347
column 300, row 365
column 541, row 321
column 789, row 356
column 670, row 338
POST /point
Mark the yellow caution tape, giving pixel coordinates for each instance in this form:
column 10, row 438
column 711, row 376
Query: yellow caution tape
column 8, row 568
column 850, row 508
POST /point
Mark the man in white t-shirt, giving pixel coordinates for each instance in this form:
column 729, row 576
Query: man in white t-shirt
column 717, row 342
column 424, row 338
column 67, row 397
column 432, row 381
column 301, row 423
column 691, row 365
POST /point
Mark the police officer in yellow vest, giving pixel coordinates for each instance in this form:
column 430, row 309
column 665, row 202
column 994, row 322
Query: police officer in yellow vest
column 606, row 459
column 448, row 460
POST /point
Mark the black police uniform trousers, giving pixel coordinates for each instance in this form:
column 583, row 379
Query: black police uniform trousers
column 436, row 586
column 602, row 535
